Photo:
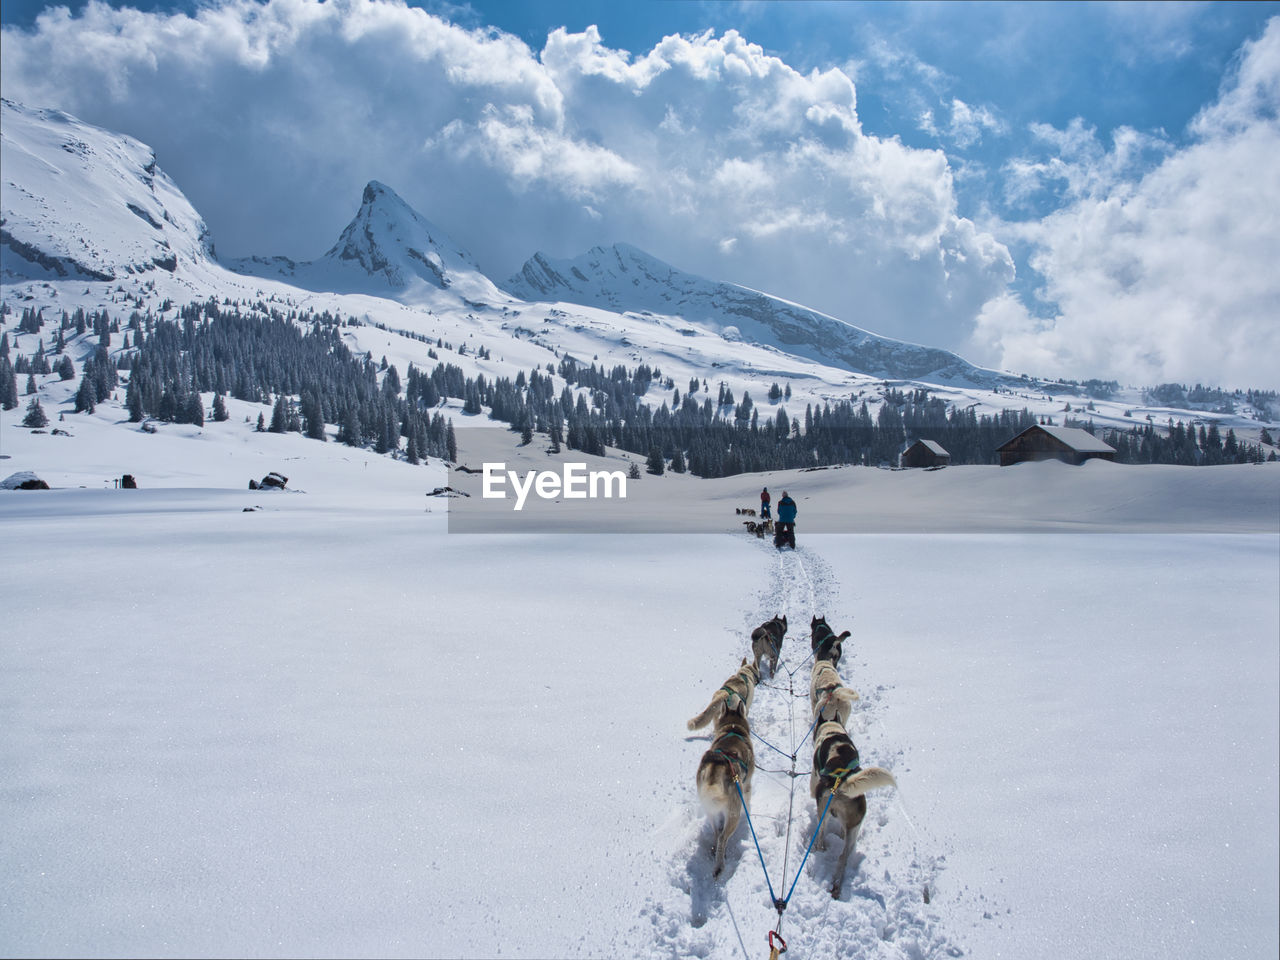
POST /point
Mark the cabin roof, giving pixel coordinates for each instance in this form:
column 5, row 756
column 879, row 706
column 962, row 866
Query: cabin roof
column 1082, row 441
column 932, row 446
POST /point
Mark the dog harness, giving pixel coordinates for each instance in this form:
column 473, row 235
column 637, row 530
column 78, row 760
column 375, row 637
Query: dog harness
column 738, row 760
column 841, row 773
column 732, row 693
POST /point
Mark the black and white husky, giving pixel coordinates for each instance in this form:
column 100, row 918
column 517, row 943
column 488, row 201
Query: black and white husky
column 836, row 767
column 729, row 759
column 823, row 640
column 766, row 641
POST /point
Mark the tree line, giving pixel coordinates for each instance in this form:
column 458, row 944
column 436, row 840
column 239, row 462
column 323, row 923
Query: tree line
column 297, row 363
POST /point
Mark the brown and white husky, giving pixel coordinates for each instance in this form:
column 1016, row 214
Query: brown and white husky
column 828, row 696
column 740, row 687
column 836, row 767
column 729, row 759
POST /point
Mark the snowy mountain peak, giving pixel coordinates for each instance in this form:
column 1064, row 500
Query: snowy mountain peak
column 387, row 247
column 622, row 277
column 80, row 202
column 389, row 238
column 591, row 278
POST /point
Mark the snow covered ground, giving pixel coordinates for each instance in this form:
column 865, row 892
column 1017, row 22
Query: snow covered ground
column 331, row 727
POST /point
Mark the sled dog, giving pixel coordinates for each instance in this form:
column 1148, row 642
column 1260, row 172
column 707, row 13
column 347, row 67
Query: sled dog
column 741, row 687
column 829, row 698
column 730, row 758
column 766, row 640
column 835, row 759
column 823, row 640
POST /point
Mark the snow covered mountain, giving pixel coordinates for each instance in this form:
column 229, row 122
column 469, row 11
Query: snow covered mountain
column 622, row 277
column 89, row 221
column 82, row 203
column 388, row 249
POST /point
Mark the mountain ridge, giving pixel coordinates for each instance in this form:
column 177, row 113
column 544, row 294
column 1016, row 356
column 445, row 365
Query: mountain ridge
column 114, row 212
column 622, row 277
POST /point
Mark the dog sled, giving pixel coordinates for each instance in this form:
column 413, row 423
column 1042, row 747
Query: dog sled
column 784, row 535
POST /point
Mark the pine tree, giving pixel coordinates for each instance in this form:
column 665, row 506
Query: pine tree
column 8, row 386
column 313, row 415
column 31, row 384
column 132, row 400
column 85, row 402
column 349, row 433
column 220, row 414
column 654, row 464
column 35, row 417
column 279, row 421
column 262, row 423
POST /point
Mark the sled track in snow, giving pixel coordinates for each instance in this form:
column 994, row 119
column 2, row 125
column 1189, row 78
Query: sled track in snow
column 882, row 911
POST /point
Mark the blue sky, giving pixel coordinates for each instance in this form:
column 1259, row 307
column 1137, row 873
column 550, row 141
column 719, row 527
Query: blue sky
column 1012, row 181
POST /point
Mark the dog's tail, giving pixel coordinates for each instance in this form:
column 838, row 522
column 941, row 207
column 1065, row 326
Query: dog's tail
column 702, row 719
column 844, row 696
column 844, row 636
column 868, row 778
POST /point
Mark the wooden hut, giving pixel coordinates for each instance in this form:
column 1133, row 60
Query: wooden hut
column 1068, row 444
column 925, row 453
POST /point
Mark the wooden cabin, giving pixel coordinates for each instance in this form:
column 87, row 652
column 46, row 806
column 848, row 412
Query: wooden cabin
column 1068, row 444
column 925, row 453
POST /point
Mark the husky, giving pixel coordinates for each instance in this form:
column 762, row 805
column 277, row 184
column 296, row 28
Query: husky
column 766, row 640
column 740, row 688
column 823, row 640
column 730, row 758
column 828, row 697
column 835, row 760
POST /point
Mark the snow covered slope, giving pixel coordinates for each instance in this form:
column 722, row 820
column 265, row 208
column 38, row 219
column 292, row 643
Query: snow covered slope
column 81, row 203
column 622, row 277
column 89, row 221
column 388, row 249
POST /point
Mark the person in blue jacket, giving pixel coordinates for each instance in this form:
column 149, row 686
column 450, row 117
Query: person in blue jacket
column 786, row 509
column 785, row 529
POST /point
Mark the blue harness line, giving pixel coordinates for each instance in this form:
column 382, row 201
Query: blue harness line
column 781, row 905
column 751, row 826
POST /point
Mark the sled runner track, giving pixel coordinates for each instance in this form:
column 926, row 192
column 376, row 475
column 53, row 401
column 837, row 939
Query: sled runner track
column 883, row 911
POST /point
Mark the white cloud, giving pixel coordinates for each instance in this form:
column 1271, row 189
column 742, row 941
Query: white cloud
column 271, row 116
column 968, row 123
column 1168, row 274
column 966, row 126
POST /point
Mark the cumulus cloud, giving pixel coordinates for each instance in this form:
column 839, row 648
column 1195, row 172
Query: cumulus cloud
column 1164, row 275
column 966, row 126
column 704, row 150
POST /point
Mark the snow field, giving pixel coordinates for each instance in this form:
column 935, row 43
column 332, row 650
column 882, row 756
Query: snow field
column 330, row 727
